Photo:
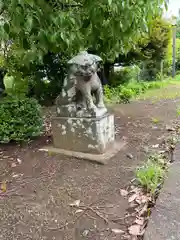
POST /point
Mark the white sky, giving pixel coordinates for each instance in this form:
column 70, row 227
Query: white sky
column 174, row 6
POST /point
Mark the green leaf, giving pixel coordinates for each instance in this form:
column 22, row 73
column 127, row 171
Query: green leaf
column 30, row 2
column 109, row 2
column 6, row 28
column 62, row 36
column 29, row 23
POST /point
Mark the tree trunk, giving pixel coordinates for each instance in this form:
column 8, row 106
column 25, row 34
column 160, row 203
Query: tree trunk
column 107, row 71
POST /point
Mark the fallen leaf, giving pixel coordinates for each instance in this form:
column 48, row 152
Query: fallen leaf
column 117, row 231
column 78, row 211
column 140, row 221
column 129, row 155
column 143, row 210
column 134, row 238
column 43, row 150
column 170, row 128
column 134, row 189
column 14, row 175
column 75, row 203
column 132, row 198
column 85, row 233
column 19, row 160
column 127, row 236
column 135, row 230
column 3, row 187
column 173, row 146
column 13, row 165
column 162, row 161
column 142, row 232
column 162, row 151
column 144, row 199
column 133, row 204
column 138, row 209
column 139, row 201
column 123, row 192
column 155, row 146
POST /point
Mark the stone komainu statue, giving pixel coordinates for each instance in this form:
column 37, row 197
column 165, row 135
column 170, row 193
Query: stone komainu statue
column 81, row 86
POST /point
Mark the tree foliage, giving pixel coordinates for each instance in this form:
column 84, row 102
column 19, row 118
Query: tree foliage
column 156, row 44
column 108, row 26
column 46, row 33
column 151, row 49
column 178, row 26
column 153, row 45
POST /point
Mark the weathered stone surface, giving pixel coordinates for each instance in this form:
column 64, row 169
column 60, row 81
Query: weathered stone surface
column 81, row 87
column 88, row 135
column 164, row 223
column 98, row 158
column 72, row 111
column 83, row 125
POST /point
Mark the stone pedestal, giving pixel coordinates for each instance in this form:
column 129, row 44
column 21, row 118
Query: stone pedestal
column 87, row 135
column 82, row 127
column 85, row 138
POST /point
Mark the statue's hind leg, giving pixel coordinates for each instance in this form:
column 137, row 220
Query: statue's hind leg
column 99, row 97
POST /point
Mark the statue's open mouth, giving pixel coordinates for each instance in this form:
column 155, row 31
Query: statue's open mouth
column 84, row 74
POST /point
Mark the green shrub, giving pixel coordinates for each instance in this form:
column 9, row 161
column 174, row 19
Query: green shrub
column 15, row 85
column 155, row 85
column 136, row 87
column 168, row 59
column 126, row 94
column 34, row 75
column 151, row 50
column 112, row 95
column 124, row 75
column 20, row 119
column 118, row 94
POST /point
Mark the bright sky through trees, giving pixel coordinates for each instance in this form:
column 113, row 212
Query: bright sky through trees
column 174, row 6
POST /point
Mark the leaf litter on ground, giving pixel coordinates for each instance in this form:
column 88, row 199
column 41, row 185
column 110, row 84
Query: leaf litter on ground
column 139, row 201
column 135, row 230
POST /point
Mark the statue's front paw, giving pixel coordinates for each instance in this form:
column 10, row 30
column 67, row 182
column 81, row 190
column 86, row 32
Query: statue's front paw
column 93, row 107
column 101, row 105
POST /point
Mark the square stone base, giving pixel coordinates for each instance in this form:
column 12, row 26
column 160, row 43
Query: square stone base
column 84, row 135
column 98, row 158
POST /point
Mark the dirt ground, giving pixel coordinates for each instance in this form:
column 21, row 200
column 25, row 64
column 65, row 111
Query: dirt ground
column 40, row 187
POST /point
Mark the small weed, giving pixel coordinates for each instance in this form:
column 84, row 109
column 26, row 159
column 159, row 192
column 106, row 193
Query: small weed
column 178, row 112
column 151, row 175
column 158, row 159
column 172, row 140
column 155, row 120
column 153, row 101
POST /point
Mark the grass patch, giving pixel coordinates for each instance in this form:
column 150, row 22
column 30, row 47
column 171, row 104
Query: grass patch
column 167, row 89
column 151, row 175
column 155, row 90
